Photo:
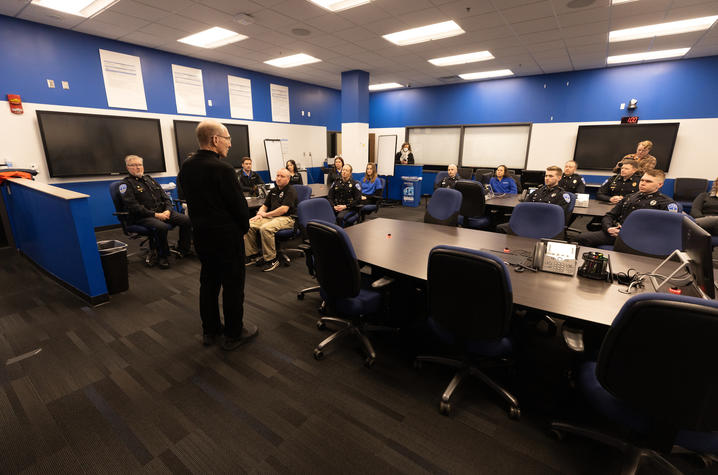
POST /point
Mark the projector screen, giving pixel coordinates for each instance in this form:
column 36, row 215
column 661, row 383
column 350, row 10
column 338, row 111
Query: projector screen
column 491, row 146
column 435, row 145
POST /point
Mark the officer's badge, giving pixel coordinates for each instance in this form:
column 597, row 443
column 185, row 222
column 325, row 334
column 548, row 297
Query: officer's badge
column 653, row 202
column 575, row 181
column 567, row 197
column 123, row 188
column 281, row 195
column 553, row 194
column 673, row 207
column 635, row 184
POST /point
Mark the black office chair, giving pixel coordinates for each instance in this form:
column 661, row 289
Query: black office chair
column 655, row 376
column 133, row 231
column 473, row 331
column 473, row 204
column 340, row 281
column 443, row 207
column 483, row 175
column 313, row 209
column 685, row 191
column 466, row 173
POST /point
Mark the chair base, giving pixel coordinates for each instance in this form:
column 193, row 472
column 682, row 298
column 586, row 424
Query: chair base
column 634, row 455
column 349, row 327
column 284, row 255
column 464, row 370
column 301, row 293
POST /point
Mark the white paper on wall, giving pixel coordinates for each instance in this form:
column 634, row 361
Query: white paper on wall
column 280, row 102
column 240, row 98
column 189, row 90
column 124, row 86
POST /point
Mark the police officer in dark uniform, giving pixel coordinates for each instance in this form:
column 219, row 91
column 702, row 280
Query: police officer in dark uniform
column 344, row 194
column 149, row 206
column 647, row 197
column 572, row 181
column 450, row 180
column 549, row 192
column 249, row 180
column 622, row 184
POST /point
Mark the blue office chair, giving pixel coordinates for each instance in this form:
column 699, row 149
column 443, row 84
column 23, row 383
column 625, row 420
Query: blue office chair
column 537, row 220
column 443, row 207
column 340, row 281
column 685, row 190
column 131, row 230
column 313, row 209
column 440, row 176
column 473, row 332
column 473, row 204
column 655, row 376
column 283, row 235
column 378, row 196
column 651, row 232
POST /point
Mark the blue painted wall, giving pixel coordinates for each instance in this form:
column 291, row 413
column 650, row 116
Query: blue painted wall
column 665, row 90
column 33, row 52
column 355, row 96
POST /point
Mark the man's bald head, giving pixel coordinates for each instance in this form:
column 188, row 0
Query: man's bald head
column 207, row 129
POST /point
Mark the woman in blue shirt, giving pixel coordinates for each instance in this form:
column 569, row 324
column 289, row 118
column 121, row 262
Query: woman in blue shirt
column 370, row 185
column 502, row 183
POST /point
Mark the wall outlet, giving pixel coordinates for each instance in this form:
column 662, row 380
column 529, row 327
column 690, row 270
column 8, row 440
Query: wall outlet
column 209, row 102
column 622, row 106
column 51, row 84
column 302, row 113
column 309, row 114
column 65, row 85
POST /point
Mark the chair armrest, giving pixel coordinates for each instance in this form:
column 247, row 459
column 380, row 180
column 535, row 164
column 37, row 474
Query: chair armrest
column 573, row 337
column 382, row 282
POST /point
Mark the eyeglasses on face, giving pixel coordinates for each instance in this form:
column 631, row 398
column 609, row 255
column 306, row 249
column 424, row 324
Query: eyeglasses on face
column 228, row 137
column 135, row 165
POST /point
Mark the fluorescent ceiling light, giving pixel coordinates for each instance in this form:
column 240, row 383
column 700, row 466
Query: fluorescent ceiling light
column 662, row 29
column 83, row 8
column 436, row 31
column 647, row 56
column 487, row 74
column 386, row 85
column 462, row 58
column 618, row 2
column 292, row 61
column 339, row 5
column 212, row 38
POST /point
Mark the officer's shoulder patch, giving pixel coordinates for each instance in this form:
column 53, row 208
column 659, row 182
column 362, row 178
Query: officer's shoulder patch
column 358, row 186
column 673, row 207
column 583, row 181
column 567, row 197
column 123, row 188
column 605, row 181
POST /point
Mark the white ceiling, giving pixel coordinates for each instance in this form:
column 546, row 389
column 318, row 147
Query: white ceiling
column 526, row 36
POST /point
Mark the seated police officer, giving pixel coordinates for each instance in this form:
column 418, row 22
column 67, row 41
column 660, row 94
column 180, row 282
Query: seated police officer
column 273, row 215
column 550, row 192
column 149, row 205
column 344, row 194
column 647, row 197
column 572, row 181
column 626, row 182
column 249, row 180
column 450, row 180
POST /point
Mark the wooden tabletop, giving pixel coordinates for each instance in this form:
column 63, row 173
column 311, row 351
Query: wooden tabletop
column 595, row 207
column 403, row 247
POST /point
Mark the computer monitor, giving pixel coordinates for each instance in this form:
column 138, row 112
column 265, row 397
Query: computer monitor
column 698, row 247
column 530, row 178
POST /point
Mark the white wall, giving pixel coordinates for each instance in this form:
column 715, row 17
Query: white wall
column 22, row 143
column 355, row 145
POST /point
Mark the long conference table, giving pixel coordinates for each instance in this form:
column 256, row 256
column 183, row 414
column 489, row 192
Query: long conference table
column 402, row 247
column 595, row 207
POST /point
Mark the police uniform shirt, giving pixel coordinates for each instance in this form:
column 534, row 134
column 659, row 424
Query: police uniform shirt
column 282, row 197
column 345, row 193
column 249, row 182
column 618, row 186
column 449, row 182
column 143, row 196
column 295, row 179
column 630, row 203
column 554, row 196
column 573, row 183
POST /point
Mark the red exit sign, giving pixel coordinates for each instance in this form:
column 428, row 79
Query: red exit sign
column 629, row 120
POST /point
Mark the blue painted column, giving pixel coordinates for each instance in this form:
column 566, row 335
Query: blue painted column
column 355, row 118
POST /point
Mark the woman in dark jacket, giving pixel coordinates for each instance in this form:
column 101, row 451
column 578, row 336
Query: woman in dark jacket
column 336, row 172
column 294, row 177
column 404, row 156
column 705, row 210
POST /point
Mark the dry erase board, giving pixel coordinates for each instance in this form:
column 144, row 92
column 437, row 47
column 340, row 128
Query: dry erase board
column 386, row 150
column 275, row 158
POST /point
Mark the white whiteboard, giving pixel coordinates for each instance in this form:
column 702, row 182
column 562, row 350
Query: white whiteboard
column 275, row 158
column 435, row 146
column 491, row 146
column 386, row 150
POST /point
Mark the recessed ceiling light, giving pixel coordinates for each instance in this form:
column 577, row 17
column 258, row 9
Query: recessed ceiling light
column 618, row 2
column 662, row 29
column 83, row 8
column 487, row 74
column 462, row 58
column 212, row 38
column 292, row 61
column 436, row 31
column 339, row 5
column 386, row 85
column 647, row 56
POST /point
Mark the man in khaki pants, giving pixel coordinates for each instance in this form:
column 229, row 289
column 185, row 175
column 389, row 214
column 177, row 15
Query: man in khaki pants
column 273, row 215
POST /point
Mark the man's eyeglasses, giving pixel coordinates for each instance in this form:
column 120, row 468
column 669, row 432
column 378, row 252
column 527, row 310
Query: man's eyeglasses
column 135, row 165
column 228, row 137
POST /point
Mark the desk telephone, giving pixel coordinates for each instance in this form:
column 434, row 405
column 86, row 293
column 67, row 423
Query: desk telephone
column 554, row 256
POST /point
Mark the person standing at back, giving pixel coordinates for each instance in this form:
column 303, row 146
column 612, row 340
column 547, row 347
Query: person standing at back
column 404, row 156
column 220, row 218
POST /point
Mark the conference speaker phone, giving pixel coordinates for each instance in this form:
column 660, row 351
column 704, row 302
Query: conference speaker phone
column 559, row 257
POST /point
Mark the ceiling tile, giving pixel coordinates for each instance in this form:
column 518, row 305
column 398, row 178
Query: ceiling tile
column 185, row 24
column 584, row 16
column 272, row 19
column 561, row 7
column 139, row 10
column 463, row 9
column 355, row 34
column 547, row 46
column 363, row 14
column 50, row 17
column 586, row 29
column 212, row 17
column 300, row 9
column 144, row 39
column 167, row 5
column 330, row 23
column 533, row 26
column 119, row 19
column 163, row 32
column 528, row 12
column 106, row 30
column 12, row 7
column 478, row 22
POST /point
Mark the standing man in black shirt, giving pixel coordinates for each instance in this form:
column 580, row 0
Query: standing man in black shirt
column 623, row 184
column 647, row 197
column 273, row 215
column 572, row 181
column 344, row 194
column 249, row 180
column 220, row 218
column 149, row 206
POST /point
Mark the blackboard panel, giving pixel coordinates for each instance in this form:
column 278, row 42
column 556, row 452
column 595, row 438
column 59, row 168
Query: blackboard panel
column 90, row 144
column 186, row 141
column 600, row 147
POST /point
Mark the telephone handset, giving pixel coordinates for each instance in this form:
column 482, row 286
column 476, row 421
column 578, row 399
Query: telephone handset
column 558, row 257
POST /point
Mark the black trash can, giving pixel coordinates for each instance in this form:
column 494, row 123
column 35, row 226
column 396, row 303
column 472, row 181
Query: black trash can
column 113, row 255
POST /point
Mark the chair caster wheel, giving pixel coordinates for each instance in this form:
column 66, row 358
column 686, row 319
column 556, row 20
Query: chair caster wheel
column 369, row 362
column 300, row 296
column 318, row 354
column 444, row 408
column 557, row 435
column 321, row 325
column 514, row 413
column 323, row 308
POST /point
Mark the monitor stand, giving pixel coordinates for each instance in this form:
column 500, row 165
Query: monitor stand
column 684, row 260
